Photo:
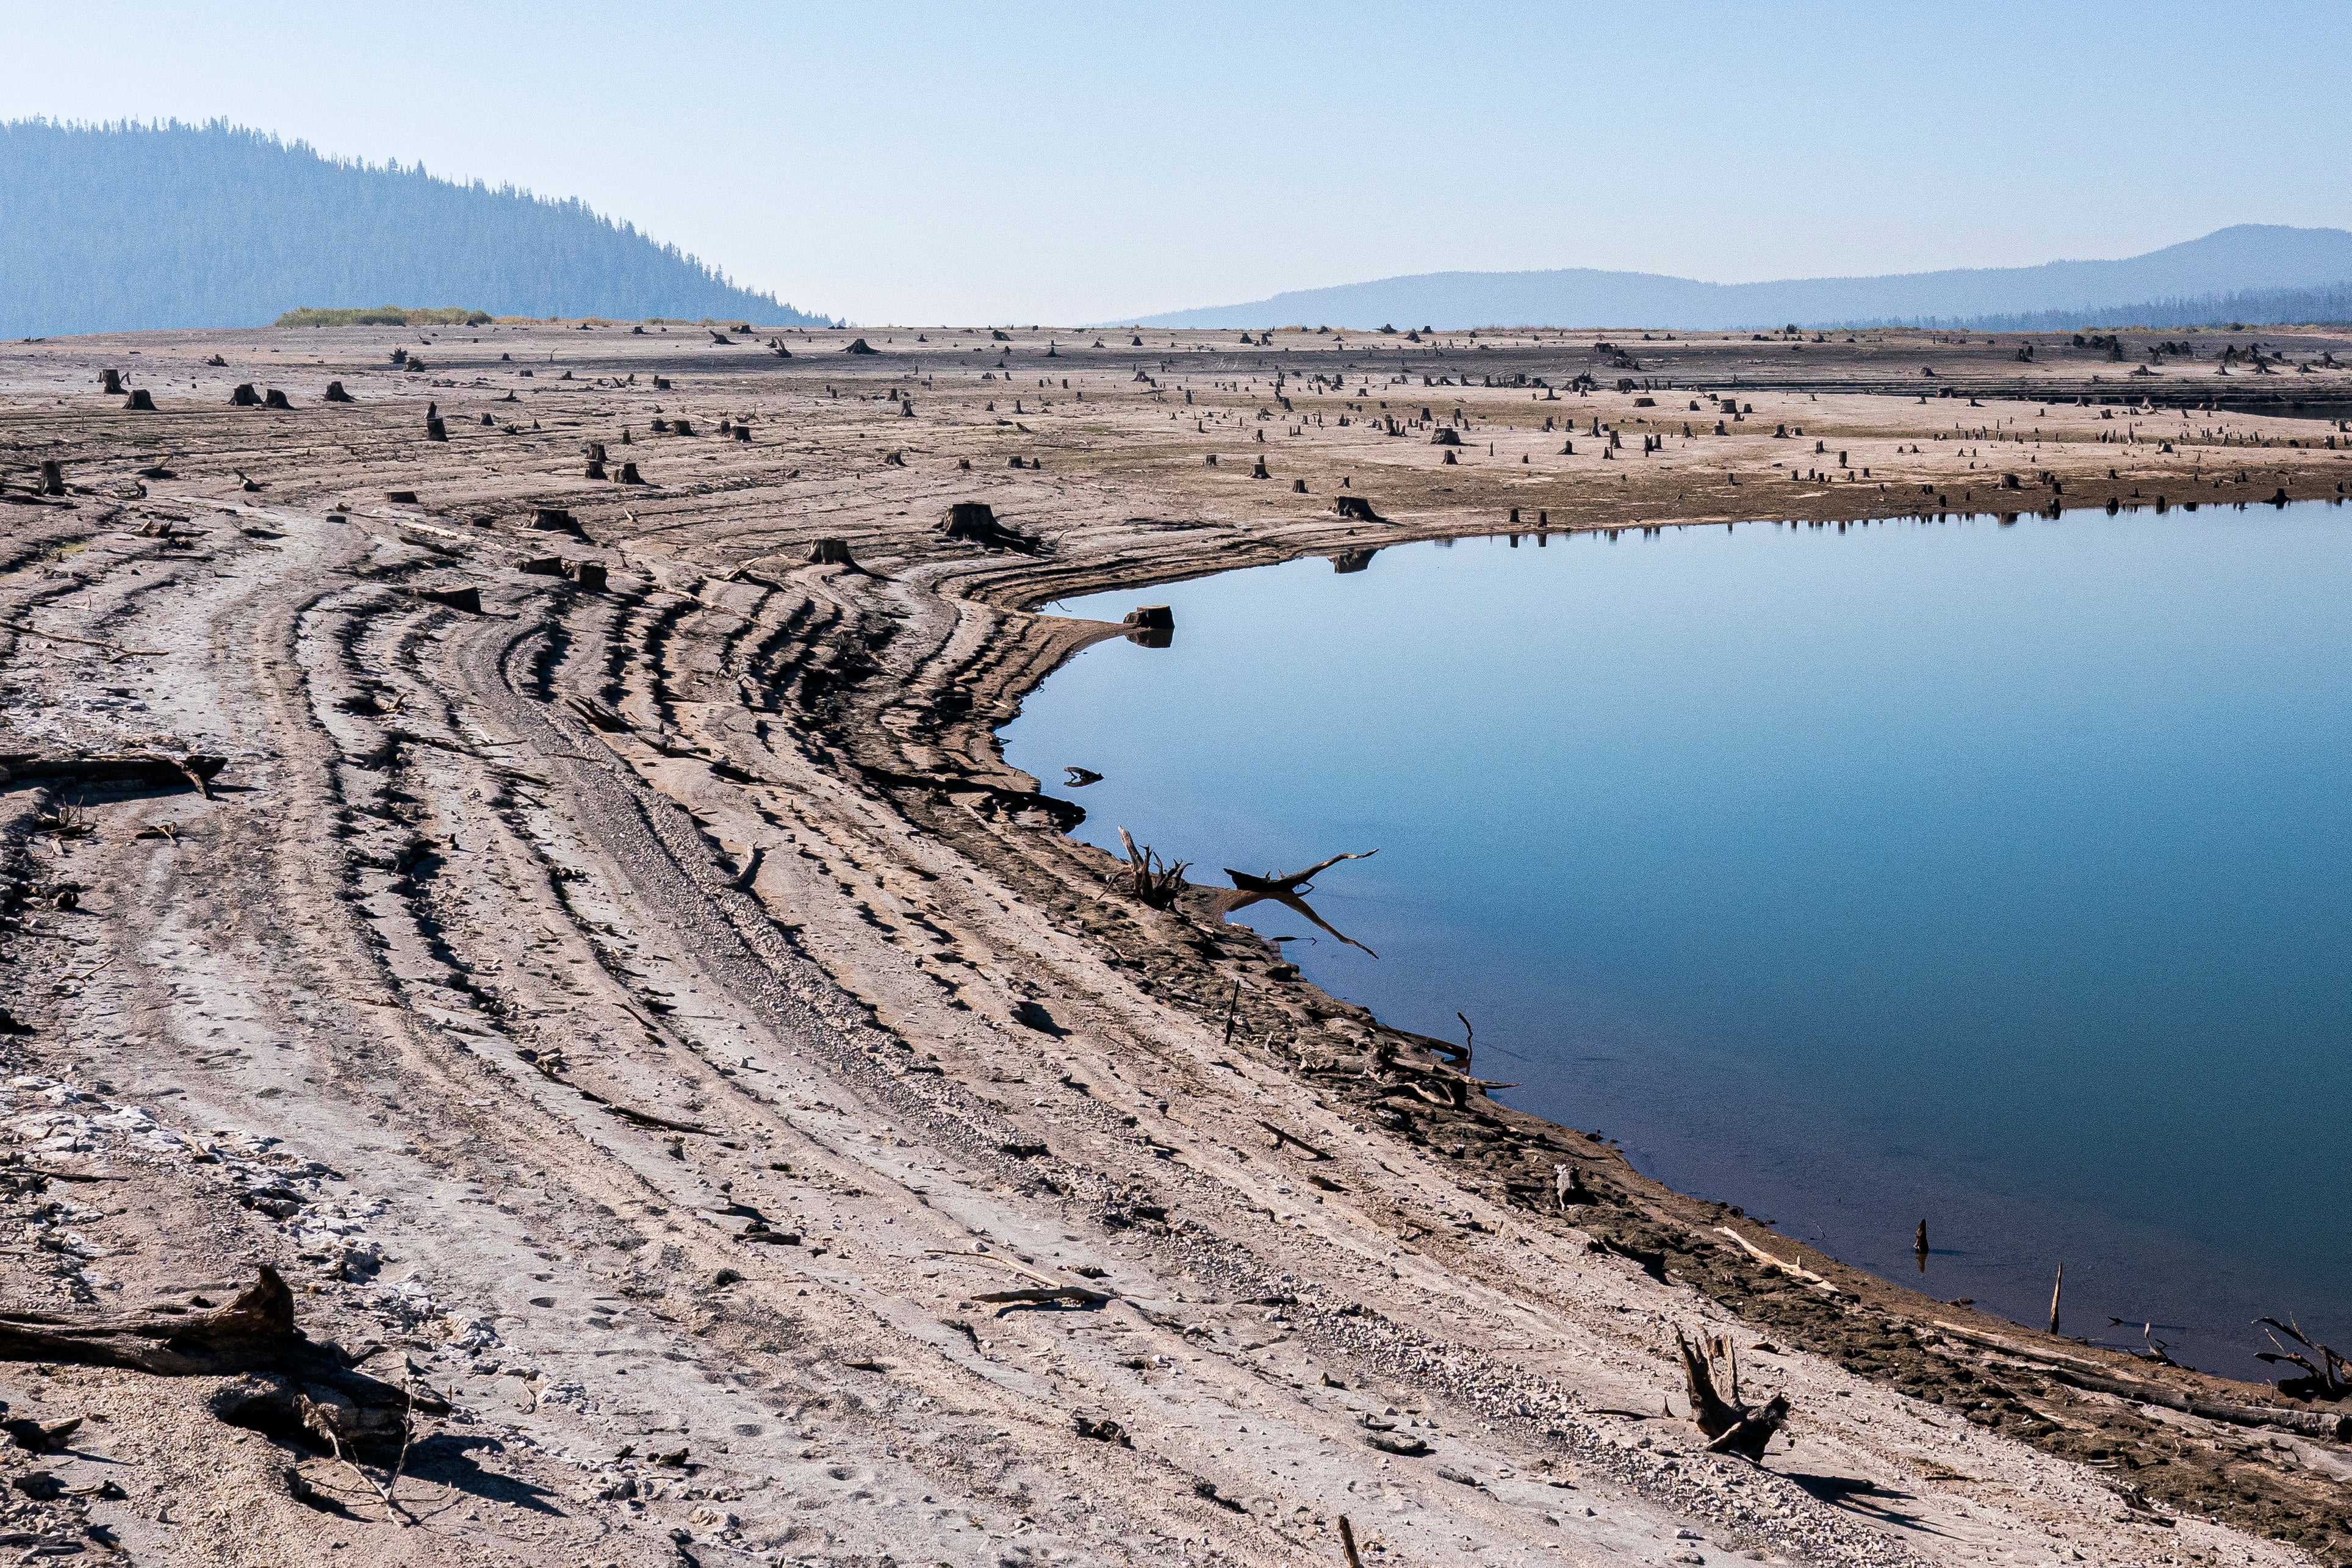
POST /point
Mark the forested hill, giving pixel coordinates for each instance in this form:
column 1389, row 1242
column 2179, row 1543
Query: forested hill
column 120, row 228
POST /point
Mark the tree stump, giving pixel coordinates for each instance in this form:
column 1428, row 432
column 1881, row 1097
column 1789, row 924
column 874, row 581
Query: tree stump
column 1358, row 507
column 830, row 552
column 468, row 598
column 53, row 478
column 111, row 383
column 629, row 474
column 434, row 430
column 274, row 399
column 335, row 393
column 245, row 396
column 975, row 522
column 140, row 401
column 860, row 346
column 588, row 574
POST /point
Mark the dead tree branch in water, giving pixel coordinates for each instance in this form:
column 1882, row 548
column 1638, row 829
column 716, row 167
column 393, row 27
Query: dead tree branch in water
column 1286, row 892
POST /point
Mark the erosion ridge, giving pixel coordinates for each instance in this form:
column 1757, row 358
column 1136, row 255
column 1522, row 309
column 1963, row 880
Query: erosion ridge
column 630, row 1006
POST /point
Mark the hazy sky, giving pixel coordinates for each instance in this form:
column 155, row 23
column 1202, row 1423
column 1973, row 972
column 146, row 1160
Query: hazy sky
column 1002, row 161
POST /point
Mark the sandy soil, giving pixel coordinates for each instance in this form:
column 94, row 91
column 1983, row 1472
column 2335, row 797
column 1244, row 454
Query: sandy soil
column 652, row 1017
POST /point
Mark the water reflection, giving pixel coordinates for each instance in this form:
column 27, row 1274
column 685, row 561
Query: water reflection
column 1984, row 874
column 1288, row 891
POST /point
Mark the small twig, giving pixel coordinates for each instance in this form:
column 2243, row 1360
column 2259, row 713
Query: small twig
column 1281, row 1137
column 113, row 650
column 392, row 1510
column 101, row 963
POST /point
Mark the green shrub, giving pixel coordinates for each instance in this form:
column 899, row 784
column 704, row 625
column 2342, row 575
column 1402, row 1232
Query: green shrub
column 382, row 316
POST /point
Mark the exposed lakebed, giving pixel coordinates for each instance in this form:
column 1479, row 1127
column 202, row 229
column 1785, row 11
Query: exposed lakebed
column 1994, row 876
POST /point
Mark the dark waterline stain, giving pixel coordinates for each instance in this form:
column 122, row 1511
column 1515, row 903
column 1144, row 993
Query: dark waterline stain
column 1991, row 874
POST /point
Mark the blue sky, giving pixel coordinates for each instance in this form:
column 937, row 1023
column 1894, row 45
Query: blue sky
column 1072, row 163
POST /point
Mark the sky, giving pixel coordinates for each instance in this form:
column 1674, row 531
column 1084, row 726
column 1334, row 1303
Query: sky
column 1083, row 162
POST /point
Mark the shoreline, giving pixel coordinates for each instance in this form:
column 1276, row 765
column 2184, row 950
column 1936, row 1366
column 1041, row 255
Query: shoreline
column 793, row 768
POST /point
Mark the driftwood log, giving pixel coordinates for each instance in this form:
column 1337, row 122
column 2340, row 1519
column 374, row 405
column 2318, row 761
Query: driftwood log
column 2081, row 1372
column 285, row 1380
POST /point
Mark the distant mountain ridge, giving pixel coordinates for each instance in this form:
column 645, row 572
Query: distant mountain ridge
column 127, row 227
column 2242, row 261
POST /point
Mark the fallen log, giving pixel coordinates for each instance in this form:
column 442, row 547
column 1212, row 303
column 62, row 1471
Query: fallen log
column 2079, row 1371
column 139, row 767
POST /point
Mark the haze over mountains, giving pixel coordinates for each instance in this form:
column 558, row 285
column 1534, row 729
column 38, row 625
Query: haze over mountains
column 126, row 227
column 2253, row 272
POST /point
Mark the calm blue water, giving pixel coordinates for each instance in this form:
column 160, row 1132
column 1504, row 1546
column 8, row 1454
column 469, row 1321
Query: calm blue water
column 1996, row 876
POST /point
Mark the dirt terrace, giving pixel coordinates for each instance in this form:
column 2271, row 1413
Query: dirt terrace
column 650, row 1016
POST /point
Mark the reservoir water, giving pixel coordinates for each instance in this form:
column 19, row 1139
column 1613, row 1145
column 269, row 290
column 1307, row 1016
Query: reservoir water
column 1996, row 876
